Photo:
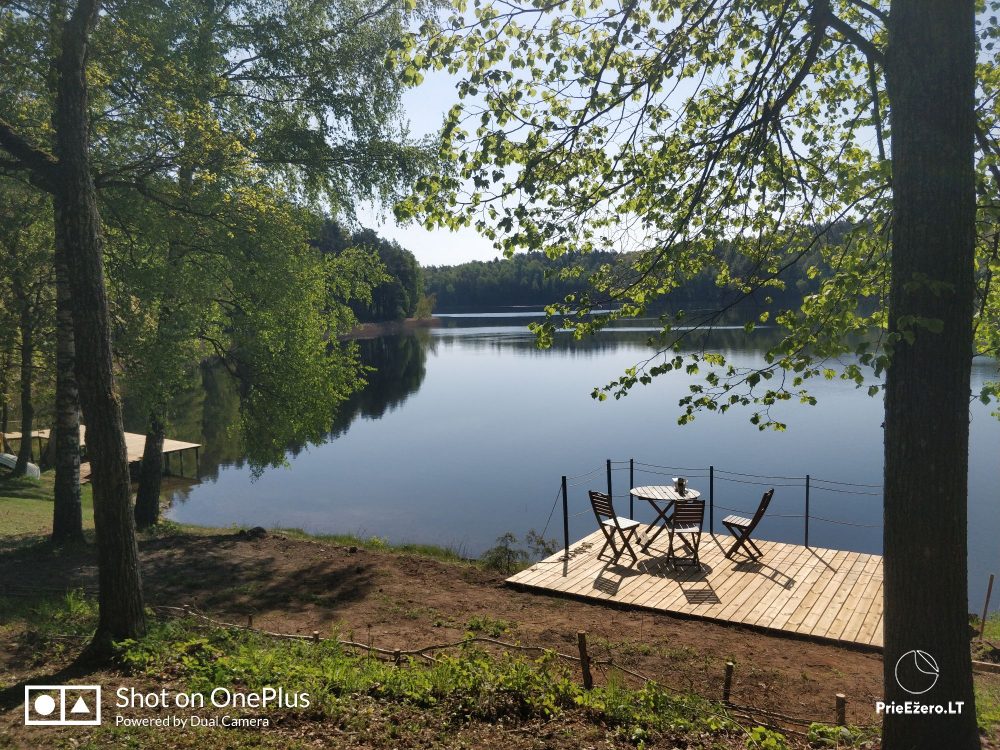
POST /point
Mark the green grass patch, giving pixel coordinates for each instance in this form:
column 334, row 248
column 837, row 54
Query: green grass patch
column 468, row 685
column 988, row 707
column 491, row 626
column 48, row 626
column 992, row 630
column 26, row 505
column 378, row 544
column 72, row 613
column 827, row 735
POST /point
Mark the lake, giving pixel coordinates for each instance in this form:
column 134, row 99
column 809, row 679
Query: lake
column 465, row 429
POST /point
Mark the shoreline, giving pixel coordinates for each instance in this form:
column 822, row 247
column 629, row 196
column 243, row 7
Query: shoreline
column 388, row 327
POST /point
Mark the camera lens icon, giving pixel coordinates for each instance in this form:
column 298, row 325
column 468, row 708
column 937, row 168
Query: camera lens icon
column 62, row 705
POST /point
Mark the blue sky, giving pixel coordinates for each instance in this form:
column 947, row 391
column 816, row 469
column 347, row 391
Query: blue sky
column 425, row 106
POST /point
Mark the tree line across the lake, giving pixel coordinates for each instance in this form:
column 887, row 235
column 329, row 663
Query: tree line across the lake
column 535, row 279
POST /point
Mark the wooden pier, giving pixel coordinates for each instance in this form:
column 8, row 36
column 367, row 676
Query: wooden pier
column 134, row 445
column 833, row 595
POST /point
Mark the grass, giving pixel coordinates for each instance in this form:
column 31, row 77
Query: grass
column 378, row 544
column 988, row 707
column 469, row 685
column 26, row 505
column 348, row 690
column 992, row 630
column 493, row 627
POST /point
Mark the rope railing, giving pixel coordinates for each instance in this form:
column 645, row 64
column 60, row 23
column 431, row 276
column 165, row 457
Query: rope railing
column 755, row 476
column 848, row 492
column 760, row 484
column 848, row 484
column 637, row 469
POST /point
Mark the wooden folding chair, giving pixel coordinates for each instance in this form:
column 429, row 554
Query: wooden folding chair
column 742, row 528
column 685, row 524
column 613, row 526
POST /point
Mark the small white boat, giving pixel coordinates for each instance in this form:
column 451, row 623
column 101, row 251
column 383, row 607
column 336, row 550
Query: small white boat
column 10, row 461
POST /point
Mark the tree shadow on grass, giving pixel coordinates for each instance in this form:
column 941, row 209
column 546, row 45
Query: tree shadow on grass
column 228, row 573
column 13, row 696
column 221, row 573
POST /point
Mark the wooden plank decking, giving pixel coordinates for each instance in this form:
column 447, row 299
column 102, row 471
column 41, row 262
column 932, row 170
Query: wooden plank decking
column 822, row 593
column 134, row 442
column 134, row 446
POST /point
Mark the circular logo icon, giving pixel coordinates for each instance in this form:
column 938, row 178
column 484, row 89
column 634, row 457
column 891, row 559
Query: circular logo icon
column 916, row 672
column 45, row 705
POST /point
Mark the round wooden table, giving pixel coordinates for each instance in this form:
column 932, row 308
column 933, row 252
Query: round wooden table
column 661, row 498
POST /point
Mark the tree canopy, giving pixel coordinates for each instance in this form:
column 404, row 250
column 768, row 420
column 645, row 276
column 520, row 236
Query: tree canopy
column 672, row 130
column 393, row 297
column 736, row 140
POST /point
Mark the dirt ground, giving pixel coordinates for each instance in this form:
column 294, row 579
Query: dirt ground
column 393, row 600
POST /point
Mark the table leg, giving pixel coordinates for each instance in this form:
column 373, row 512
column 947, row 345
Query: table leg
column 661, row 522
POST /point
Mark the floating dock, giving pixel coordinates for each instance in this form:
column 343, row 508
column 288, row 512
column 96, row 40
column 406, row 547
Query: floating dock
column 827, row 594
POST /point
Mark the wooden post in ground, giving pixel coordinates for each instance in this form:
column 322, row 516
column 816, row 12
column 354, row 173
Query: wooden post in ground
column 986, row 608
column 631, row 484
column 588, row 678
column 807, row 511
column 711, row 499
column 841, row 710
column 316, row 636
column 250, row 622
column 565, row 499
column 727, row 685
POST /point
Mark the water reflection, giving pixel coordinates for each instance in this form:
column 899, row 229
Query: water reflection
column 463, row 432
column 208, row 410
column 400, row 364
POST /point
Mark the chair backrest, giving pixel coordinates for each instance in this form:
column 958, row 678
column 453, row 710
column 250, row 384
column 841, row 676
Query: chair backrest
column 689, row 512
column 761, row 509
column 602, row 505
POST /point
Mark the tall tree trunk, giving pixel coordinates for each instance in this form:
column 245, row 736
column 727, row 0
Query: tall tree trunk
column 27, row 375
column 4, row 413
column 79, row 234
column 930, row 68
column 67, row 513
column 147, row 501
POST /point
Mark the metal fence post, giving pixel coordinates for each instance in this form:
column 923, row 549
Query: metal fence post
column 807, row 510
column 565, row 517
column 631, row 484
column 609, row 481
column 711, row 499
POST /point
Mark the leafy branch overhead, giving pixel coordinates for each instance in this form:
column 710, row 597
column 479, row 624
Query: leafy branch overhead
column 221, row 133
column 736, row 140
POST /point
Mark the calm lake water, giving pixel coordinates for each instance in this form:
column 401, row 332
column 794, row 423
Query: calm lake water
column 465, row 429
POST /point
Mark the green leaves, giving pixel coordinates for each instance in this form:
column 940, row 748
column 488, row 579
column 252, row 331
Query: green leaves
column 637, row 128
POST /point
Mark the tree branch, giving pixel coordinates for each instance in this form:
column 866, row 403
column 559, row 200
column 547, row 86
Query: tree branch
column 984, row 143
column 865, row 46
column 876, row 109
column 26, row 154
column 879, row 14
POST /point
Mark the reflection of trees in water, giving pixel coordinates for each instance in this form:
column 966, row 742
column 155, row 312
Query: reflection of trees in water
column 640, row 337
column 400, row 364
column 208, row 409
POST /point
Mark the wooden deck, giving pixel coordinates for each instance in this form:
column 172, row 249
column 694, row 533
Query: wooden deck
column 821, row 593
column 134, row 445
